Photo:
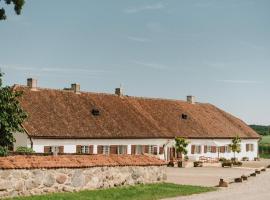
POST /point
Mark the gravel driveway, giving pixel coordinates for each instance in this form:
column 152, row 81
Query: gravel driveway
column 256, row 188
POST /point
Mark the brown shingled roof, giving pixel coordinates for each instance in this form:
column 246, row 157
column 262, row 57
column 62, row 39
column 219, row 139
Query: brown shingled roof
column 64, row 114
column 76, row 161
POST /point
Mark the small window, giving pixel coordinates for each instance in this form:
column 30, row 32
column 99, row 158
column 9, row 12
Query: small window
column 95, row 112
column 184, row 116
column 122, row 149
column 106, row 150
column 85, row 149
column 139, row 149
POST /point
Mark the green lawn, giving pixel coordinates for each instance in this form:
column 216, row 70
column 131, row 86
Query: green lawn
column 139, row 192
column 265, row 140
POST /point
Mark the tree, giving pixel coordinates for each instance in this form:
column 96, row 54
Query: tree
column 18, row 4
column 11, row 116
column 181, row 145
column 235, row 145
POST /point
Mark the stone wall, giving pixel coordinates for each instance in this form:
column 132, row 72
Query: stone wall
column 23, row 182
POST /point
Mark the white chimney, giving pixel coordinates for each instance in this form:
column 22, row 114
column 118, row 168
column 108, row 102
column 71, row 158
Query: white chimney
column 191, row 99
column 75, row 87
column 32, row 83
column 119, row 91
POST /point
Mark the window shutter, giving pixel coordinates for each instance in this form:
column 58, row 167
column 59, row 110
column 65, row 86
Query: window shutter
column 214, row 149
column 100, row 149
column 161, row 150
column 146, row 148
column 222, row 149
column 192, row 149
column 155, row 150
column 114, row 149
column 133, row 149
column 78, row 149
column 61, row 149
column 205, row 148
column 91, row 149
column 47, row 149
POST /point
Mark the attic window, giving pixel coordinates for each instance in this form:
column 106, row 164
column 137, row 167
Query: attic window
column 95, row 112
column 184, row 116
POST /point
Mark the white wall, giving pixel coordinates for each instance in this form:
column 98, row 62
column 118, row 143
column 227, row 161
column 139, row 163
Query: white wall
column 70, row 145
column 22, row 139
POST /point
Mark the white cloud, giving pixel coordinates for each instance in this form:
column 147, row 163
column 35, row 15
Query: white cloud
column 138, row 39
column 151, row 65
column 157, row 6
column 240, row 81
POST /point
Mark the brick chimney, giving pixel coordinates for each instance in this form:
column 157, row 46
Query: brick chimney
column 76, row 87
column 191, row 99
column 32, row 83
column 119, row 91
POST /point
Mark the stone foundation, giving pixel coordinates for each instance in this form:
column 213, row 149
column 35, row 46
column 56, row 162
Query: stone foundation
column 23, row 182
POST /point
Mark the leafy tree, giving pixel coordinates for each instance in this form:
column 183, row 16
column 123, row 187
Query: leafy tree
column 11, row 115
column 181, row 145
column 262, row 130
column 235, row 146
column 18, row 4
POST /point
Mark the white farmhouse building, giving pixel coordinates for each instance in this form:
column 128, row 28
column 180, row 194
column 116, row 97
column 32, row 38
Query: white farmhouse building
column 72, row 121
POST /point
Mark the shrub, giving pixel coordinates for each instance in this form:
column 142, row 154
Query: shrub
column 171, row 164
column 245, row 159
column 198, row 164
column 237, row 163
column 3, row 151
column 227, row 164
column 186, row 158
column 222, row 159
column 24, row 150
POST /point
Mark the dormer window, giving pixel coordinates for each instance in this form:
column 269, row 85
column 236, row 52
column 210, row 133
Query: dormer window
column 184, row 116
column 95, row 112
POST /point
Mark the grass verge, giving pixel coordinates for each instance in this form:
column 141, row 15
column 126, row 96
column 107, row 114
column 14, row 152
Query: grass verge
column 138, row 192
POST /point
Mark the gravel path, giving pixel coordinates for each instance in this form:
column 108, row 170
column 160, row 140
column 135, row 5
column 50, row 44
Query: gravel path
column 256, row 188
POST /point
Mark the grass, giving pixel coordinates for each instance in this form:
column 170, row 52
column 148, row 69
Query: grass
column 265, row 140
column 265, row 155
column 138, row 192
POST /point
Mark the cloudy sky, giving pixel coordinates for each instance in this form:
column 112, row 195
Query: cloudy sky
column 218, row 51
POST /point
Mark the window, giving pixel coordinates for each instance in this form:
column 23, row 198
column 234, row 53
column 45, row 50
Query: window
column 184, row 116
column 85, row 149
column 151, row 149
column 249, row 147
column 209, row 149
column 122, row 149
column 95, row 112
column 227, row 149
column 197, row 149
column 139, row 149
column 106, row 150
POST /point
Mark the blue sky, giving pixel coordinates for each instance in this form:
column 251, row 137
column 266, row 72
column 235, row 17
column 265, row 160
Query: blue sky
column 218, row 51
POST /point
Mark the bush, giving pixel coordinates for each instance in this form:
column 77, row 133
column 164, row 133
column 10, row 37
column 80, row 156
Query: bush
column 198, row 164
column 227, row 164
column 24, row 150
column 171, row 164
column 186, row 158
column 245, row 159
column 222, row 159
column 3, row 151
column 237, row 163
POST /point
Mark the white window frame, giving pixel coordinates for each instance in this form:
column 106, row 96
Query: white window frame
column 138, row 149
column 106, row 150
column 198, row 149
column 85, row 149
column 122, row 149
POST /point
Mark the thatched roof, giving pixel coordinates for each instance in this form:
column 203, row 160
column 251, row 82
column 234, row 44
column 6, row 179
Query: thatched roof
column 65, row 114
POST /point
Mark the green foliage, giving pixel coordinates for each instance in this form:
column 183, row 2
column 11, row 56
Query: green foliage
column 18, row 4
column 24, row 150
column 262, row 130
column 3, row 151
column 181, row 145
column 235, row 145
column 138, row 192
column 11, row 115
